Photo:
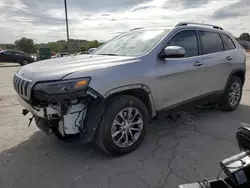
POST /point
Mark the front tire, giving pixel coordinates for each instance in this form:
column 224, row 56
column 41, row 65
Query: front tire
column 232, row 95
column 123, row 125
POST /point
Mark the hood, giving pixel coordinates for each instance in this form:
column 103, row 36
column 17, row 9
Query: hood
column 56, row 69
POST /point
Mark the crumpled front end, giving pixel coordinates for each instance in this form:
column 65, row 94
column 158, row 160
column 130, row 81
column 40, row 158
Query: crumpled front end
column 64, row 119
column 63, row 114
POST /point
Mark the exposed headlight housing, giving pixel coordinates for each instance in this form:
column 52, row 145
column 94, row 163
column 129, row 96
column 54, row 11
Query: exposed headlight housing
column 62, row 87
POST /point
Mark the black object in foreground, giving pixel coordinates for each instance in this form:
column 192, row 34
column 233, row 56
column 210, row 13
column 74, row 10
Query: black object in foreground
column 209, row 184
column 237, row 167
column 243, row 138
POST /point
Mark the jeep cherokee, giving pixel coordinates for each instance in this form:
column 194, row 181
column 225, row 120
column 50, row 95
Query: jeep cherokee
column 111, row 95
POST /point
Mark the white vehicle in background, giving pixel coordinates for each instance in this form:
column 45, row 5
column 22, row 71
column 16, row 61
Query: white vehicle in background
column 63, row 54
column 91, row 50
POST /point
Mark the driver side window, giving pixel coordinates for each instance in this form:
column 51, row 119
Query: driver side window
column 187, row 40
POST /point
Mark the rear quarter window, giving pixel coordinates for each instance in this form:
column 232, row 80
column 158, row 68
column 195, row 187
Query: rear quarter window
column 18, row 53
column 229, row 44
column 211, row 42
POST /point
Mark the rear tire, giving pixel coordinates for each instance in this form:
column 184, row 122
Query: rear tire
column 231, row 97
column 129, row 133
column 24, row 62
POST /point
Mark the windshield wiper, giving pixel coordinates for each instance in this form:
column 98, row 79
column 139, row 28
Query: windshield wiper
column 108, row 54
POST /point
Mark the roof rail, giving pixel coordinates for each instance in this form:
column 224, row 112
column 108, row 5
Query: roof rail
column 200, row 24
column 136, row 28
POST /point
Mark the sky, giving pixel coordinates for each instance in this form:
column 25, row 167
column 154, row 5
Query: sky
column 44, row 20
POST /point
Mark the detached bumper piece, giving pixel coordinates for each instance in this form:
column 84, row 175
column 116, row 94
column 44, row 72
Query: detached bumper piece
column 25, row 112
column 43, row 125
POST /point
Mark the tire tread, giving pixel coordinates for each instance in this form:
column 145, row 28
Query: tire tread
column 111, row 103
column 223, row 103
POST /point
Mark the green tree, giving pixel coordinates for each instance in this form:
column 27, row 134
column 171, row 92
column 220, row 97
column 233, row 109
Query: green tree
column 26, row 45
column 64, row 48
column 93, row 44
column 54, row 47
column 84, row 48
column 76, row 45
column 245, row 36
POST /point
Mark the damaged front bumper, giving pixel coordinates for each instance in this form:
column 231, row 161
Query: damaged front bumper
column 66, row 116
column 68, row 123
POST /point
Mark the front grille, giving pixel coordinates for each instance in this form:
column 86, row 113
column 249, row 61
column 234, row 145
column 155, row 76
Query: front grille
column 22, row 86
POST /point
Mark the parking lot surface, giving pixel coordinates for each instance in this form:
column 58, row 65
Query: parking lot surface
column 173, row 153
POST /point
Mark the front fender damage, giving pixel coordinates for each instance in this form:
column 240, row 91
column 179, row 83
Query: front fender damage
column 92, row 120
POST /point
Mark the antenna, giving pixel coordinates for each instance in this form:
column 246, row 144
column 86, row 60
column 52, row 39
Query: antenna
column 202, row 23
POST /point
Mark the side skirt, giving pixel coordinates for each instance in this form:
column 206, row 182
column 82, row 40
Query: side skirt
column 192, row 103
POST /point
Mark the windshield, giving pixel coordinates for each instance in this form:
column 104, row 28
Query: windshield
column 134, row 43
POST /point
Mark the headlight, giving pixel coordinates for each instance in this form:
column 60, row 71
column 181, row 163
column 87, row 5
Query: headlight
column 61, row 87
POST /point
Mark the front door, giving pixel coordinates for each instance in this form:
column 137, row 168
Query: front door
column 181, row 79
column 8, row 56
column 2, row 57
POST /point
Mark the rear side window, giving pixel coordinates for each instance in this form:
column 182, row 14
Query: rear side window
column 229, row 45
column 187, row 40
column 18, row 53
column 211, row 42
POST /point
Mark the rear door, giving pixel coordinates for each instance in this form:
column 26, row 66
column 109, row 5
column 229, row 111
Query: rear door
column 232, row 55
column 214, row 61
column 19, row 57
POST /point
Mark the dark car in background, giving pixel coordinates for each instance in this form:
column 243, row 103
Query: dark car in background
column 15, row 57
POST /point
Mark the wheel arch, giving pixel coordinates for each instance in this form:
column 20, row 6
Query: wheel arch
column 139, row 91
column 97, row 107
column 240, row 73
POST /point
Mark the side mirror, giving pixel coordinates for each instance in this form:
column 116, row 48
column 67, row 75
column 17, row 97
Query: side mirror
column 172, row 52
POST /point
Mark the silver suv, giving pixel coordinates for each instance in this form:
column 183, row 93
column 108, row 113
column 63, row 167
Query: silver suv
column 111, row 95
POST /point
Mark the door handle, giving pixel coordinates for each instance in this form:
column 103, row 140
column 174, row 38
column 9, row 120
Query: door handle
column 197, row 64
column 229, row 58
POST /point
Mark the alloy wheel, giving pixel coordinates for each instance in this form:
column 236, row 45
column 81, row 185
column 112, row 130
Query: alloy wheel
column 234, row 94
column 127, row 127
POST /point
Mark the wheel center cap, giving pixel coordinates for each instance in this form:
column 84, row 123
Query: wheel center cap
column 127, row 126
